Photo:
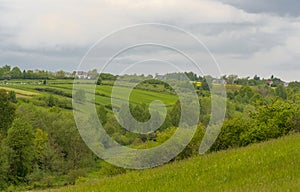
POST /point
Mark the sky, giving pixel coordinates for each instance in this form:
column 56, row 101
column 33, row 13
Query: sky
column 244, row 37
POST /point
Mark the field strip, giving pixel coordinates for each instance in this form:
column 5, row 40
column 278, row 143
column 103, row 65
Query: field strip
column 19, row 91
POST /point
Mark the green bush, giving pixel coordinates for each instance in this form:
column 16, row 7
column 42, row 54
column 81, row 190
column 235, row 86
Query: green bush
column 230, row 133
column 111, row 170
column 270, row 121
column 73, row 175
column 192, row 148
column 81, row 180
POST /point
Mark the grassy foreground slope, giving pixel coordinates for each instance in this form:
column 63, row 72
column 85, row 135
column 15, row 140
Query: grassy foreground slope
column 269, row 166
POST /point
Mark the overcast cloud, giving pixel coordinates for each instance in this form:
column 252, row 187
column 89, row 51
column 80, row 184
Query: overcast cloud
column 246, row 37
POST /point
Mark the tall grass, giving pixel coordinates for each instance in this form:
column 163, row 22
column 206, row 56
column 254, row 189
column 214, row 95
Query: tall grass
column 269, row 166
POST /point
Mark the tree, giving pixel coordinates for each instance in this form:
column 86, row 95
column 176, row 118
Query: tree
column 193, row 147
column 12, row 97
column 24, row 74
column 102, row 114
column 232, row 79
column 281, row 92
column 175, row 114
column 108, row 76
column 245, row 94
column 270, row 121
column 79, row 96
column 40, row 147
column 256, row 78
column 99, row 80
column 51, row 101
column 204, row 85
column 60, row 74
column 7, row 112
column 6, row 72
column 230, row 133
column 29, row 74
column 6, row 68
column 20, row 139
column 93, row 74
column 16, row 73
column 140, row 112
column 295, row 86
column 112, row 126
column 4, row 165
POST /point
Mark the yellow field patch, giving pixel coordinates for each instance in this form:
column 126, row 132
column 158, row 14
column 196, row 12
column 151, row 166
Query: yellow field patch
column 19, row 92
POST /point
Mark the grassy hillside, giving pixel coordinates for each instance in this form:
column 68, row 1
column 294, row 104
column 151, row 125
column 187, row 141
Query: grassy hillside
column 269, row 166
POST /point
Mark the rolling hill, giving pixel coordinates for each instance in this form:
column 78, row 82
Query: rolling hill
column 269, row 166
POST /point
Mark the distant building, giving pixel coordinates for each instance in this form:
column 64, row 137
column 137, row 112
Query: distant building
column 219, row 81
column 81, row 75
column 269, row 82
column 160, row 77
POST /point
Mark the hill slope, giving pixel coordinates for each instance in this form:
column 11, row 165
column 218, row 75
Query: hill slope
column 269, row 166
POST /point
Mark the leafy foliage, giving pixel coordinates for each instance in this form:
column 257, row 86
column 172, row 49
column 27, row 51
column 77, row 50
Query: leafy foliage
column 20, row 139
column 7, row 112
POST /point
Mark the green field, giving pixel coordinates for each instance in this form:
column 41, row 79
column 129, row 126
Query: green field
column 103, row 96
column 269, row 166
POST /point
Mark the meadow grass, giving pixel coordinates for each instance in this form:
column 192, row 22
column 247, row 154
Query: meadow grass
column 269, row 166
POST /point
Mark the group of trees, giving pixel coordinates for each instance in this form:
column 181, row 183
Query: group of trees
column 253, row 114
column 269, row 121
column 7, row 72
column 37, row 144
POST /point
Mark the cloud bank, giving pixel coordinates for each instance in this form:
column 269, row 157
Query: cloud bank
column 246, row 37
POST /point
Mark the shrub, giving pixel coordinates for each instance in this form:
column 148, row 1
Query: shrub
column 81, row 180
column 230, row 133
column 73, row 175
column 111, row 170
column 193, row 147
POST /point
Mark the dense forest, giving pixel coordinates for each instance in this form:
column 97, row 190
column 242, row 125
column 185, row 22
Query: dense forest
column 40, row 146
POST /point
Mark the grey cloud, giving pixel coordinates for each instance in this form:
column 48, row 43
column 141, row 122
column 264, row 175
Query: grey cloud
column 279, row 7
column 36, row 61
column 212, row 29
column 33, row 35
column 4, row 5
column 290, row 65
column 57, row 51
column 243, row 39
